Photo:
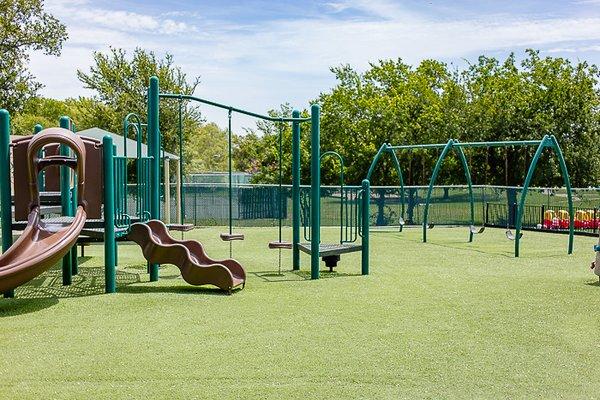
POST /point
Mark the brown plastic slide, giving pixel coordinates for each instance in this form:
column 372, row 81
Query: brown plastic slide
column 159, row 247
column 43, row 244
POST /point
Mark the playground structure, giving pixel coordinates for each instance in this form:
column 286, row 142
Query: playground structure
column 548, row 141
column 357, row 222
column 99, row 212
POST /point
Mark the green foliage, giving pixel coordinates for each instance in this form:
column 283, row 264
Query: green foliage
column 121, row 84
column 430, row 103
column 208, row 149
column 257, row 151
column 24, row 28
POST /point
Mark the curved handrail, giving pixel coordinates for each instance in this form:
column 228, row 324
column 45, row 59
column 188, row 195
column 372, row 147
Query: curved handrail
column 36, row 164
column 341, row 159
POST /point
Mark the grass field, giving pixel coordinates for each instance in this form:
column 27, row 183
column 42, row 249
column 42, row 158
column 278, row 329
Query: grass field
column 446, row 319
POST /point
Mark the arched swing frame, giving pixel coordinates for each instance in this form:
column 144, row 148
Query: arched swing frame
column 548, row 141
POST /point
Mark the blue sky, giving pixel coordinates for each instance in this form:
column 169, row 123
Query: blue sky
column 258, row 54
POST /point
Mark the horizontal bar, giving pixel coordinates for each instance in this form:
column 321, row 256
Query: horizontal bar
column 418, row 146
column 229, row 108
column 507, row 143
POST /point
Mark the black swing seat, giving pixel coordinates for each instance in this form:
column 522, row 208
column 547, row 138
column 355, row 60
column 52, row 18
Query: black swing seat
column 330, row 252
column 430, row 226
column 511, row 236
column 280, row 245
column 228, row 237
column 180, row 227
column 475, row 230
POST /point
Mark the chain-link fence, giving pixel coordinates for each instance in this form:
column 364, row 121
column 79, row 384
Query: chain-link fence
column 257, row 205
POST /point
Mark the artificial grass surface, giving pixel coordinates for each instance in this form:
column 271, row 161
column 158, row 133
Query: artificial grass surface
column 446, row 319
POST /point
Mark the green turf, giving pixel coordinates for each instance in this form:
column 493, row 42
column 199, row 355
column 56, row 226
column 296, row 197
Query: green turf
column 446, row 319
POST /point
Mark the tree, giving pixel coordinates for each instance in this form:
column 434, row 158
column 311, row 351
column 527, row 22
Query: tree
column 208, row 149
column 24, row 27
column 121, row 85
column 490, row 100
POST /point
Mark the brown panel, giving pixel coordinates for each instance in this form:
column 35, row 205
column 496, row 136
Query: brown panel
column 93, row 177
column 21, row 187
column 52, row 177
column 93, row 195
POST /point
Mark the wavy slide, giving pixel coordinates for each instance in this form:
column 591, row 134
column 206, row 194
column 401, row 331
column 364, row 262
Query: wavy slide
column 159, row 247
column 42, row 244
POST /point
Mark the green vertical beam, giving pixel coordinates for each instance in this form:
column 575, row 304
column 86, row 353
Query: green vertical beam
column 229, row 167
column 154, row 149
column 66, row 203
column 434, row 175
column 73, row 251
column 42, row 176
column 295, row 191
column 528, row 178
column 567, row 183
column 315, row 189
column 465, row 164
column 181, row 194
column 383, row 149
column 401, row 178
column 366, row 197
column 5, row 190
column 109, row 216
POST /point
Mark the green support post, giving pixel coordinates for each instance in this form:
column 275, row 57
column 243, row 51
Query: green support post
column 295, row 191
column 109, row 216
column 154, row 150
column 366, row 197
column 42, row 176
column 436, row 171
column 383, row 149
column 315, row 190
column 534, row 161
column 550, row 142
column 5, row 190
column 567, row 183
column 465, row 164
column 66, row 204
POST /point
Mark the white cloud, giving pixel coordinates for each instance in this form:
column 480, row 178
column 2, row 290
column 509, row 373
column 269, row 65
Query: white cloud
column 260, row 65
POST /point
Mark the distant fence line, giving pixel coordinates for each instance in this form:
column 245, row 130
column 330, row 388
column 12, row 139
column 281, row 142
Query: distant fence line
column 258, row 205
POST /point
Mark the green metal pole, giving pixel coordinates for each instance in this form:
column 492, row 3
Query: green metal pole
column 73, row 251
column 315, row 190
column 5, row 190
column 230, row 177
column 66, row 205
column 434, row 175
column 295, row 191
column 109, row 216
column 534, row 161
column 463, row 160
column 154, row 142
column 387, row 148
column 399, row 172
column 567, row 183
column 366, row 197
column 42, row 177
column 181, row 193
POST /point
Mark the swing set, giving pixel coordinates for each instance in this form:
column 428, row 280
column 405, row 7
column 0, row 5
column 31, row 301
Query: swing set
column 548, row 141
